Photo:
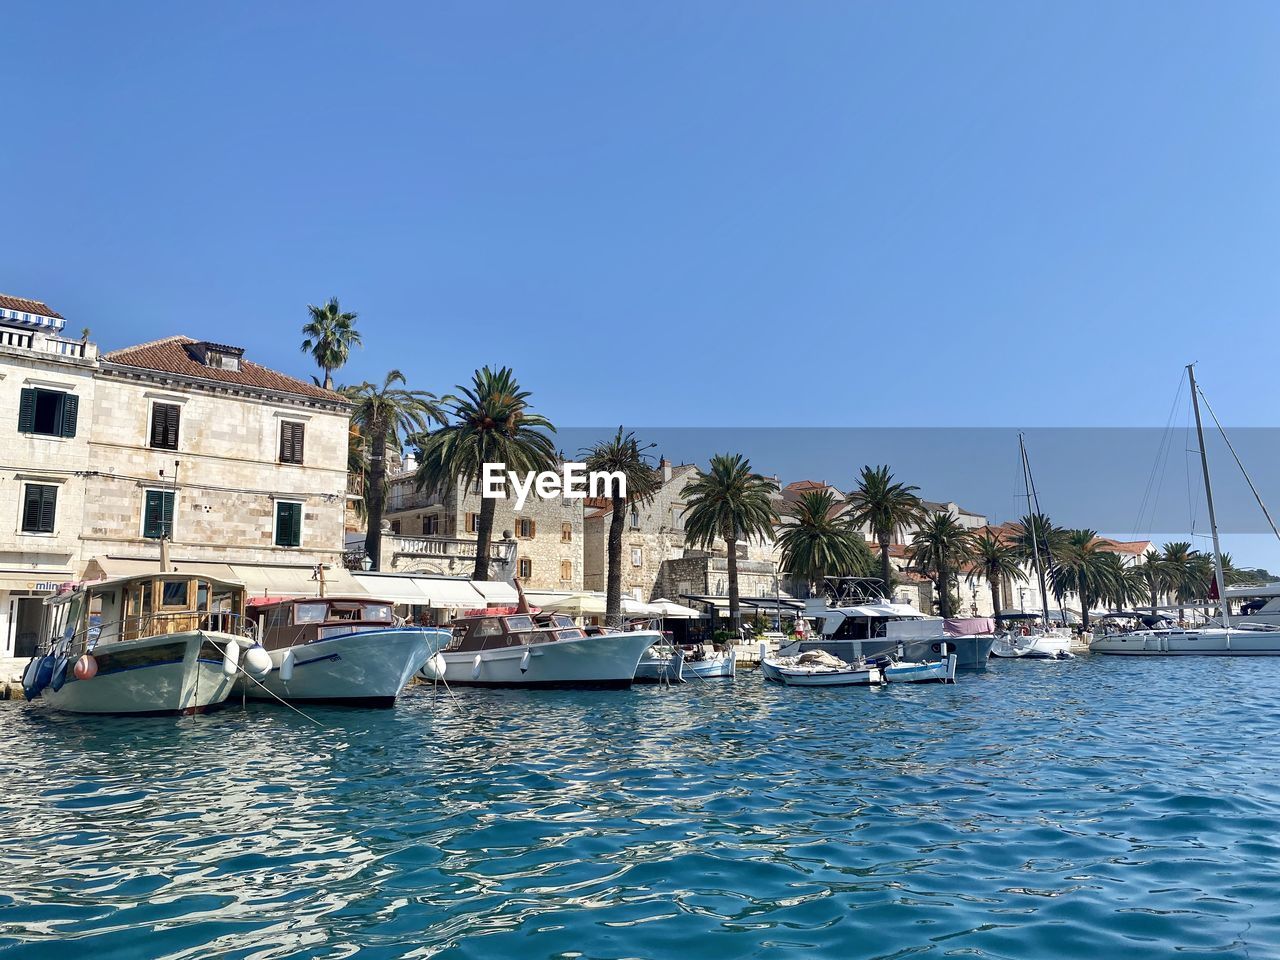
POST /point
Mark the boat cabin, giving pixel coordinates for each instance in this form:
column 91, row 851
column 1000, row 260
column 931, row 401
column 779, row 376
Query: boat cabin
column 474, row 634
column 283, row 622
column 141, row 606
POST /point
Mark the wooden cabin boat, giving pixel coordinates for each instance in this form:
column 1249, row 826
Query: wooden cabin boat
column 153, row 643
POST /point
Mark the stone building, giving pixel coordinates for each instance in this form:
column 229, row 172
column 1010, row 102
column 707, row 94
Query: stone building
column 182, row 439
column 46, row 398
column 435, row 532
column 193, row 440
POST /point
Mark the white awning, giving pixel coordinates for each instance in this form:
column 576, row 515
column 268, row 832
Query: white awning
column 35, row 581
column 260, row 580
column 111, row 568
column 403, row 590
column 496, row 593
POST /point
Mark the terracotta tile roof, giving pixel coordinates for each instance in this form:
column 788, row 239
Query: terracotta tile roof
column 1135, row 547
column 28, row 306
column 172, row 355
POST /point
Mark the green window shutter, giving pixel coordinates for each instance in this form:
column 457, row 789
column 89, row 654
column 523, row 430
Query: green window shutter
column 172, row 416
column 157, row 518
column 288, row 524
column 27, row 411
column 39, row 508
column 70, row 413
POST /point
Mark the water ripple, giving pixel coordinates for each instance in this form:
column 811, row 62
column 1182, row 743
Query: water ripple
column 1101, row 806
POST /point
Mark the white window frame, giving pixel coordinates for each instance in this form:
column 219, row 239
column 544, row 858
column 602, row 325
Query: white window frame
column 637, row 556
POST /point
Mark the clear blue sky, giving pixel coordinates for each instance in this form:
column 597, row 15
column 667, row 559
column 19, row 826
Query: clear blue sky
column 673, row 213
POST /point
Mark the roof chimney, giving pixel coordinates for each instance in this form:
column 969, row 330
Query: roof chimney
column 665, row 464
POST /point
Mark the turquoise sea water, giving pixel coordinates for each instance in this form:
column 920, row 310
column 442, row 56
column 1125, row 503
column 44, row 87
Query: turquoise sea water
column 1106, row 807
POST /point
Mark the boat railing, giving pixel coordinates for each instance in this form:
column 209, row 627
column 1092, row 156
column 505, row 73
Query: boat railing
column 146, row 626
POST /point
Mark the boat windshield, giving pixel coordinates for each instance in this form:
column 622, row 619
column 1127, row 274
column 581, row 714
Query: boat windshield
column 519, row 624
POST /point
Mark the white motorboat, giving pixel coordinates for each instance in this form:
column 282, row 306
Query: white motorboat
column 1031, row 641
column 1221, row 640
column 154, row 643
column 499, row 648
column 937, row 671
column 344, row 650
column 853, row 624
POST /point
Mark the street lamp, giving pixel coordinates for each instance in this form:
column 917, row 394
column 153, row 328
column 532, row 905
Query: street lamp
column 366, row 563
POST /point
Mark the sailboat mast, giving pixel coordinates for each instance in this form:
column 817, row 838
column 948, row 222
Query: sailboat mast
column 1033, row 515
column 1208, row 493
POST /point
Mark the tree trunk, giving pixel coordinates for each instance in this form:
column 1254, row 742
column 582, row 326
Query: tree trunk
column 328, row 378
column 613, row 587
column 1154, row 601
column 944, row 592
column 1084, row 609
column 886, row 572
column 484, row 537
column 373, row 496
column 995, row 595
column 735, row 615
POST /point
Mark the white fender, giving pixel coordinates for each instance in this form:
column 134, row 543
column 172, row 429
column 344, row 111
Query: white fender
column 475, row 667
column 434, row 668
column 286, row 666
column 257, row 662
column 524, row 661
column 231, row 659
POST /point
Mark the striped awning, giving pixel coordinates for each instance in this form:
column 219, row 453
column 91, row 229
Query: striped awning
column 28, row 319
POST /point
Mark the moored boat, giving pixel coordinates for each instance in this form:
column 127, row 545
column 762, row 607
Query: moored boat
column 707, row 663
column 154, row 643
column 661, row 663
column 1024, row 638
column 501, row 648
column 817, row 668
column 344, row 650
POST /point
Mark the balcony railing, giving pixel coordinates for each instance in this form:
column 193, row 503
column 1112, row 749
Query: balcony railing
column 447, row 548
column 41, row 342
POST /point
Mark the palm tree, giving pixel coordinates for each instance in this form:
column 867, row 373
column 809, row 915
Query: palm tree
column 1123, row 585
column 940, row 549
column 491, row 422
column 1184, row 580
column 885, row 507
column 358, row 469
column 1080, row 567
column 623, row 454
column 731, row 502
column 995, row 560
column 1155, row 577
column 329, row 337
column 385, row 416
column 817, row 541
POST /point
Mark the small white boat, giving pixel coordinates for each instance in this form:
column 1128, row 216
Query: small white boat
column 936, row 671
column 709, row 664
column 661, row 663
column 344, row 650
column 501, row 648
column 145, row 644
column 820, row 669
column 1030, row 640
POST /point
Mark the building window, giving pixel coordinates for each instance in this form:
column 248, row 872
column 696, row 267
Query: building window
column 291, row 434
column 471, row 523
column 288, row 523
column 157, row 514
column 431, row 525
column 39, row 505
column 566, row 533
column 635, row 519
column 637, row 557
column 566, row 569
column 395, row 527
column 164, row 425
column 525, row 566
column 49, row 413
column 526, row 529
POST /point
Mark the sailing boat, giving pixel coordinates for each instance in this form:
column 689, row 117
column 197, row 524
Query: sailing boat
column 1223, row 641
column 1037, row 643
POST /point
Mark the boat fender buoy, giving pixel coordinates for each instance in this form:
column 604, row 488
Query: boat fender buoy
column 86, row 667
column 231, row 659
column 29, row 678
column 524, row 661
column 44, row 673
column 434, row 668
column 287, row 665
column 475, row 667
column 257, row 662
column 59, row 674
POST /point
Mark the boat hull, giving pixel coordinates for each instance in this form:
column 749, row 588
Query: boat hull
column 1189, row 643
column 173, row 674
column 824, row 676
column 719, row 667
column 971, row 651
column 368, row 668
column 938, row 671
column 660, row 669
column 605, row 661
column 1032, row 647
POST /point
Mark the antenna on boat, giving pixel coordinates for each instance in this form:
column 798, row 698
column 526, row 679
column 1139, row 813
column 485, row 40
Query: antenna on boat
column 1208, row 494
column 522, row 605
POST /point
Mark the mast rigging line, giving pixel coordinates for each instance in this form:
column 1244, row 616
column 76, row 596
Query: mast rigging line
column 1247, row 479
